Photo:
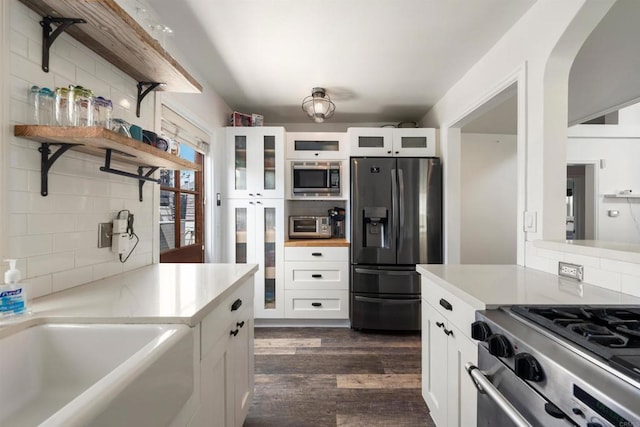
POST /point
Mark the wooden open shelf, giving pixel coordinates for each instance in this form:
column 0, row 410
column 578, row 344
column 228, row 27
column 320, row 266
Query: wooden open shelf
column 96, row 140
column 113, row 34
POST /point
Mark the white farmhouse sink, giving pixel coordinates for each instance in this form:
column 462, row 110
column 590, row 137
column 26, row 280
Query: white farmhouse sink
column 111, row 375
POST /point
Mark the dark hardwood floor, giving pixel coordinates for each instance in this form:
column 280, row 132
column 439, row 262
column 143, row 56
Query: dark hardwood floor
column 336, row 377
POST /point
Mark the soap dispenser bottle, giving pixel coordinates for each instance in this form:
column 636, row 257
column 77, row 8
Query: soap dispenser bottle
column 13, row 295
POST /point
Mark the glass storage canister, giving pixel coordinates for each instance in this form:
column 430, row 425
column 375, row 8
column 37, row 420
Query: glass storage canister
column 103, row 112
column 46, row 107
column 65, row 107
column 34, row 105
column 84, row 100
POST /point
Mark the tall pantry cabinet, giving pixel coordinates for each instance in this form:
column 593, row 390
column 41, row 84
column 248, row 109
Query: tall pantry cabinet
column 255, row 210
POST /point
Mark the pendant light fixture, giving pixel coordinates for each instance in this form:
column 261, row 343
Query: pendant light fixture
column 318, row 106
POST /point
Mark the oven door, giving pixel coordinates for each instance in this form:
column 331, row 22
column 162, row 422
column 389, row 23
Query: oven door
column 505, row 400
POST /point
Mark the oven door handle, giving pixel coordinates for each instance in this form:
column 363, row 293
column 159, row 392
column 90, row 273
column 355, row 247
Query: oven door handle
column 485, row 386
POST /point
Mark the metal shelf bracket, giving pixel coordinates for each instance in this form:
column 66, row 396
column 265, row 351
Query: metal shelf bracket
column 49, row 35
column 143, row 90
column 46, row 162
column 140, row 176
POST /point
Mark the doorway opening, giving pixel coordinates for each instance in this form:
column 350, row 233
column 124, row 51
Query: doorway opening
column 581, row 201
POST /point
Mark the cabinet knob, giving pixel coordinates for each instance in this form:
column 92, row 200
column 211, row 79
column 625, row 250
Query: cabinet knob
column 439, row 324
column 251, row 194
column 259, row 194
column 389, row 152
column 234, row 332
column 240, row 324
column 446, row 304
column 258, row 202
column 447, row 331
column 317, row 276
column 316, row 304
column 236, row 304
column 316, row 254
column 397, row 152
column 315, row 154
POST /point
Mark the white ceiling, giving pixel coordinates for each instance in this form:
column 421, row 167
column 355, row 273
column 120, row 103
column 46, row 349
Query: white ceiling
column 380, row 60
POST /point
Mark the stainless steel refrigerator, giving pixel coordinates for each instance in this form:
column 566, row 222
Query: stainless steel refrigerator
column 396, row 223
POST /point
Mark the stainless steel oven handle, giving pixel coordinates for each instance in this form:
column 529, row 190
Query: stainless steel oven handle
column 485, row 386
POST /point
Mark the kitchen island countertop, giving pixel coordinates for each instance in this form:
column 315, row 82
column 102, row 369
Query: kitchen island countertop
column 157, row 293
column 491, row 286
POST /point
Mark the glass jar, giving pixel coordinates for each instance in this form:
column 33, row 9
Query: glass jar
column 84, row 99
column 103, row 111
column 46, row 107
column 65, row 112
column 34, row 107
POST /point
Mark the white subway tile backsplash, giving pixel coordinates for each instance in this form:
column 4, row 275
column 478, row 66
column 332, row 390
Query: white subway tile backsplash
column 18, row 180
column 17, row 225
column 100, row 271
column 630, row 284
column 55, row 237
column 26, row 246
column 70, row 278
column 49, row 223
column 52, row 263
column 18, row 43
column 620, row 266
column 38, row 286
column 76, row 240
column 604, row 279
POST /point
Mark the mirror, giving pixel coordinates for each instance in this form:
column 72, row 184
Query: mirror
column 603, row 148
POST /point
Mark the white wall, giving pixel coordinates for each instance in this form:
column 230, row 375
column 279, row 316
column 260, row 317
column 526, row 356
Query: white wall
column 536, row 52
column 488, row 199
column 55, row 237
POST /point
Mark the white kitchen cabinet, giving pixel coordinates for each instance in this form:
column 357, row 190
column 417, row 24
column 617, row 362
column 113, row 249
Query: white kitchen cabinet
column 255, row 234
column 396, row 142
column 446, row 387
column 227, row 362
column 317, row 282
column 317, row 145
column 255, row 162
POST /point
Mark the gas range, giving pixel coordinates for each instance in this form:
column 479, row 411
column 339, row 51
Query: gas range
column 581, row 363
column 610, row 332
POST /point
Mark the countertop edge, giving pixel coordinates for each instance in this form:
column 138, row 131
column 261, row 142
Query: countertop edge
column 12, row 325
column 469, row 299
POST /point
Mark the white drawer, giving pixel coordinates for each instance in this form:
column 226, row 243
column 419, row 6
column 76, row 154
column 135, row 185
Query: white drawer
column 458, row 312
column 316, row 275
column 329, row 304
column 316, row 253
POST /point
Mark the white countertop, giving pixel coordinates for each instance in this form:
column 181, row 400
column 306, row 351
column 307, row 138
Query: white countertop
column 490, row 286
column 158, row 293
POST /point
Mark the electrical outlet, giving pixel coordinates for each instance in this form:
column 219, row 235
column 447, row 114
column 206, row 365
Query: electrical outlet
column 105, row 230
column 573, row 271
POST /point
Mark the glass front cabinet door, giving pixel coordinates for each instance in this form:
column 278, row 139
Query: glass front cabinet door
column 255, row 159
column 256, row 235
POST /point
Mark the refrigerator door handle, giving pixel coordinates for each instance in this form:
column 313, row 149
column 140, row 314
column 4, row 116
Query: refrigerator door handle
column 401, row 209
column 387, row 300
column 385, row 272
column 394, row 205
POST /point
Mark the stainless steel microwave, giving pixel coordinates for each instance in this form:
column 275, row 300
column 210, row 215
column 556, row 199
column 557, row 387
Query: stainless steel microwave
column 315, row 178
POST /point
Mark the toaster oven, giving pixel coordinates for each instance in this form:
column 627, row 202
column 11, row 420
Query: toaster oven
column 309, row 227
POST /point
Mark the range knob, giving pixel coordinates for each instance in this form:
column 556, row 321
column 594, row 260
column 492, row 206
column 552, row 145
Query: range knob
column 528, row 368
column 480, row 330
column 499, row 346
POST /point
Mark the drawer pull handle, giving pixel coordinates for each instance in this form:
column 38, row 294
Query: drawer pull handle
column 448, row 332
column 236, row 304
column 446, row 304
column 439, row 324
column 240, row 324
column 234, row 332
column 317, row 276
column 316, row 304
column 316, row 253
